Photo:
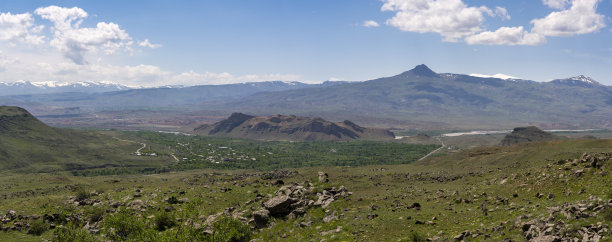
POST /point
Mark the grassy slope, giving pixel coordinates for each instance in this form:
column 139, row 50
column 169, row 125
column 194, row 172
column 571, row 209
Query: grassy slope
column 434, row 183
column 27, row 144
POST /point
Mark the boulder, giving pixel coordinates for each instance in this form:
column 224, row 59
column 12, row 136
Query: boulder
column 279, row 205
column 261, row 218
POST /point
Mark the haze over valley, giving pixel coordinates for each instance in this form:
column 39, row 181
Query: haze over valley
column 376, row 120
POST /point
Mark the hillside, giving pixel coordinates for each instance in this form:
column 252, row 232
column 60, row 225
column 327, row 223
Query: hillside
column 547, row 191
column 282, row 127
column 527, row 134
column 27, row 144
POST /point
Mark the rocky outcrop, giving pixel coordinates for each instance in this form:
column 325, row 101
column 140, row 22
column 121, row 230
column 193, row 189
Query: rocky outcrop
column 290, row 127
column 527, row 134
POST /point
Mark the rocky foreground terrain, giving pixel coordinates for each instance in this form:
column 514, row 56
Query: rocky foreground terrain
column 558, row 192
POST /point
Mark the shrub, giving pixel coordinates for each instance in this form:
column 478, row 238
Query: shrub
column 95, row 214
column 173, row 200
column 416, row 237
column 38, row 227
column 82, row 194
column 229, row 229
column 123, row 226
column 164, row 221
column 72, row 233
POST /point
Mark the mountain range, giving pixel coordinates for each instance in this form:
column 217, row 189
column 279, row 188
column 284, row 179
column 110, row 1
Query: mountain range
column 418, row 98
column 26, row 87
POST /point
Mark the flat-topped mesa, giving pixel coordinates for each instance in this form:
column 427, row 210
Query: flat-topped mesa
column 290, row 127
column 527, row 134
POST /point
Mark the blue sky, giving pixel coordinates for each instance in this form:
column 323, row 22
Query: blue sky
column 214, row 42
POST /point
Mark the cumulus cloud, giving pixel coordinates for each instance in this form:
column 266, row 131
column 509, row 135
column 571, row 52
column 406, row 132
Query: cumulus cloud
column 370, row 23
column 580, row 18
column 455, row 20
column 58, row 69
column 556, row 4
column 20, row 28
column 146, row 43
column 502, row 12
column 450, row 18
column 74, row 41
column 506, row 36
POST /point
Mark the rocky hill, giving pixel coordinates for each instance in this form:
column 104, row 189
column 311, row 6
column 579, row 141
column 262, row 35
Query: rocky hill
column 290, row 127
column 527, row 134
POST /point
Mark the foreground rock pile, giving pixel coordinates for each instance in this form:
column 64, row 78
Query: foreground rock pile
column 552, row 229
column 293, row 200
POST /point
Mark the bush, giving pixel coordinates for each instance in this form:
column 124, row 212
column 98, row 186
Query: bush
column 95, row 214
column 72, row 233
column 416, row 237
column 229, row 229
column 82, row 194
column 164, row 221
column 123, row 226
column 38, row 227
column 173, row 200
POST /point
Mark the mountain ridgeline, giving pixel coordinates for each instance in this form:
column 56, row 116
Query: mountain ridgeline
column 418, row 98
column 423, row 97
column 290, row 127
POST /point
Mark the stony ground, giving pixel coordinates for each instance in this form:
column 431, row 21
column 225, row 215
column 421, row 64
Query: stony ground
column 558, row 191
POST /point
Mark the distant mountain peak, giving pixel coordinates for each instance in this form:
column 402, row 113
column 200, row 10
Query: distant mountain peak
column 422, row 70
column 579, row 81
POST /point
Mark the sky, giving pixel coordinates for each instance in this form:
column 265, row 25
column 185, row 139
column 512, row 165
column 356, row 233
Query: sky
column 153, row 43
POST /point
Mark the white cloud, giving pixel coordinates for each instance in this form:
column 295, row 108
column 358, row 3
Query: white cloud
column 502, row 12
column 506, row 36
column 74, row 42
column 59, row 70
column 580, row 18
column 556, row 4
column 146, row 43
column 450, row 18
column 209, row 78
column 20, row 28
column 370, row 23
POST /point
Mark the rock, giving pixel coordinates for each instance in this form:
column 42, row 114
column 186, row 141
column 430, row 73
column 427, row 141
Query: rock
column 372, row 216
column 11, row 214
column 330, row 218
column 261, row 218
column 415, row 206
column 279, row 205
column 551, row 196
column 169, row 209
column 418, row 222
column 578, row 172
column 184, row 200
column 323, row 177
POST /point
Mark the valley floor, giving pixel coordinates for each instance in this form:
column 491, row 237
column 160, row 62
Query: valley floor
column 556, row 189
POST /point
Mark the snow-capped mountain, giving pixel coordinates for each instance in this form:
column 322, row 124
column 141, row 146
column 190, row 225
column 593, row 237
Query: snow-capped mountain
column 26, row 87
column 577, row 81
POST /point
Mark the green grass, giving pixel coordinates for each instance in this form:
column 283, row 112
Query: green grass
column 435, row 183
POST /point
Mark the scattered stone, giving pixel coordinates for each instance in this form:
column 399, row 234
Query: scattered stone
column 323, row 177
